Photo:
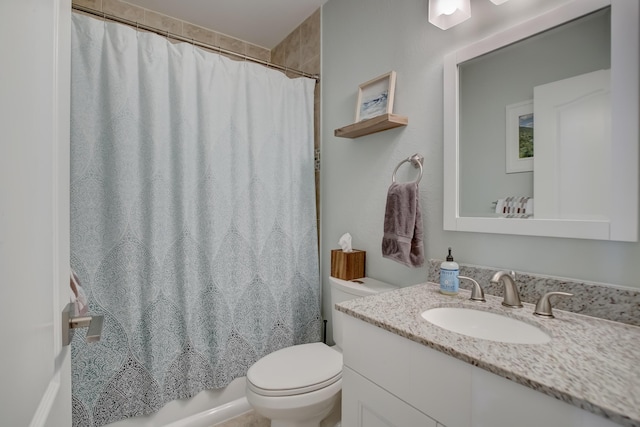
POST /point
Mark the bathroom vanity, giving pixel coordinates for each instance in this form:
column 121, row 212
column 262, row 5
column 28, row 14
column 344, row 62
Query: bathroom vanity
column 402, row 370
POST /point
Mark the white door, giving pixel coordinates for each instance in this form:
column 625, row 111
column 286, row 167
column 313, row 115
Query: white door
column 35, row 379
column 572, row 154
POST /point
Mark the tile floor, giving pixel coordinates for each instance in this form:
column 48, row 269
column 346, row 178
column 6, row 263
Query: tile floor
column 250, row 419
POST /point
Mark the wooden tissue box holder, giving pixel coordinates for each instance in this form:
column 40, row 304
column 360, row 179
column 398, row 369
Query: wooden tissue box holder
column 347, row 265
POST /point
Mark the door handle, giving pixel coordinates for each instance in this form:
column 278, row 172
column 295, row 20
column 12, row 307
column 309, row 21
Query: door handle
column 94, row 323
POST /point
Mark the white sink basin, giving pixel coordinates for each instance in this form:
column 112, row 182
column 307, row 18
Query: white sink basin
column 485, row 325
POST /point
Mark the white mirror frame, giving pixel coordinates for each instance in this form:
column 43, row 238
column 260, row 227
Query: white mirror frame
column 625, row 94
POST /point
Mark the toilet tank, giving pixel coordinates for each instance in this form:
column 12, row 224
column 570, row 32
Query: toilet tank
column 344, row 290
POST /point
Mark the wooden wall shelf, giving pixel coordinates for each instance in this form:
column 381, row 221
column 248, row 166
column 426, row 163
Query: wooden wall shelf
column 372, row 125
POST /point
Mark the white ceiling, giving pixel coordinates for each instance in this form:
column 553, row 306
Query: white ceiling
column 262, row 22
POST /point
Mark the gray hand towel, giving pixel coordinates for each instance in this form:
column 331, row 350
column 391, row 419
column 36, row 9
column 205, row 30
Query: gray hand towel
column 402, row 240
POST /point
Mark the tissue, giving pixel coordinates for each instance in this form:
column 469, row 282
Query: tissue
column 347, row 263
column 345, row 243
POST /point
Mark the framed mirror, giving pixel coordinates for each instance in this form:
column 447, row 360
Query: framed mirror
column 541, row 126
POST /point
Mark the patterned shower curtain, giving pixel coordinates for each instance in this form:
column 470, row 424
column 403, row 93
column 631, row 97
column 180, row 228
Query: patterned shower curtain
column 193, row 225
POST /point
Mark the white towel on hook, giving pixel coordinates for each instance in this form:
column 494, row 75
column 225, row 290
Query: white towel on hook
column 78, row 296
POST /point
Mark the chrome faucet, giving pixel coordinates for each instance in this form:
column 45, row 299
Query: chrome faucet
column 508, row 279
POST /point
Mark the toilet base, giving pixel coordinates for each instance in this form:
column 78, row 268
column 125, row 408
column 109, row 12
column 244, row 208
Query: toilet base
column 306, row 410
column 296, row 423
column 314, row 421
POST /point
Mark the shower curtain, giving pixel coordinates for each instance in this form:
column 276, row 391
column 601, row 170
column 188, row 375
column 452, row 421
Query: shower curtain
column 193, row 224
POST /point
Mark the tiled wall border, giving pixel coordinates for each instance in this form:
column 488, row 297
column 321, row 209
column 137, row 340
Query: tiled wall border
column 591, row 299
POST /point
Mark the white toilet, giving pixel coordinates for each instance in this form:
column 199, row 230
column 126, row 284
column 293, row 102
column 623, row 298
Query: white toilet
column 298, row 386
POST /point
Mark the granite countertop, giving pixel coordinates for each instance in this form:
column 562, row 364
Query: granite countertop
column 591, row 363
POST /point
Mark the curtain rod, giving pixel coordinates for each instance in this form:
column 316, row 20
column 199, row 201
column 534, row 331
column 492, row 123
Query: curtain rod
column 169, row 35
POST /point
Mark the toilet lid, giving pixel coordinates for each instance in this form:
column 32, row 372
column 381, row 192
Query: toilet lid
column 295, row 370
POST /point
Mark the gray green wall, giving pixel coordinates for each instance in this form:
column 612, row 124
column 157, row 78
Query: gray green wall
column 362, row 39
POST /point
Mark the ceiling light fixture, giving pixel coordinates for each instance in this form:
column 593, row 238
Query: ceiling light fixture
column 445, row 14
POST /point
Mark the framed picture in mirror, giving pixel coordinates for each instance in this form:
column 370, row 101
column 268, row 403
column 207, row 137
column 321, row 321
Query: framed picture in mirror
column 519, row 137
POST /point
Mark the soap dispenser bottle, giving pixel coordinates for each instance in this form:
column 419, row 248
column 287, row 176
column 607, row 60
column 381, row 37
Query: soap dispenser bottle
column 449, row 271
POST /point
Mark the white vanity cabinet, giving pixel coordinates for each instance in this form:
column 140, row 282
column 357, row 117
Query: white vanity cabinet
column 389, row 380
column 404, row 373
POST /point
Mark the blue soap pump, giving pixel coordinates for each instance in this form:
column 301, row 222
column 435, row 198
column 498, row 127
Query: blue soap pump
column 449, row 271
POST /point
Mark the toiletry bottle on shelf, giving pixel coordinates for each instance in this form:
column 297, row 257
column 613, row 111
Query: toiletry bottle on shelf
column 449, row 271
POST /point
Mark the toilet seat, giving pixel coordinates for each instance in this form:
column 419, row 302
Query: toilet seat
column 295, row 370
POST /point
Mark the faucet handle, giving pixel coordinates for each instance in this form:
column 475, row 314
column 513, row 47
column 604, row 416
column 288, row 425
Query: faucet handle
column 543, row 306
column 477, row 294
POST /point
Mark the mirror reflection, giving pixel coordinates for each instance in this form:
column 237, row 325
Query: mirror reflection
column 535, row 125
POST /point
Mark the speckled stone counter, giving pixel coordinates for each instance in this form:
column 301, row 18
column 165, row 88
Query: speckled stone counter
column 591, row 363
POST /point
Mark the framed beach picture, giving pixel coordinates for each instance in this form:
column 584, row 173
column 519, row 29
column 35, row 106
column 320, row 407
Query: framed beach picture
column 519, row 137
column 375, row 97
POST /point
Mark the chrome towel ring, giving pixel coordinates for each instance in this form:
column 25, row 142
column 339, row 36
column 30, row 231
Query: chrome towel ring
column 416, row 160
